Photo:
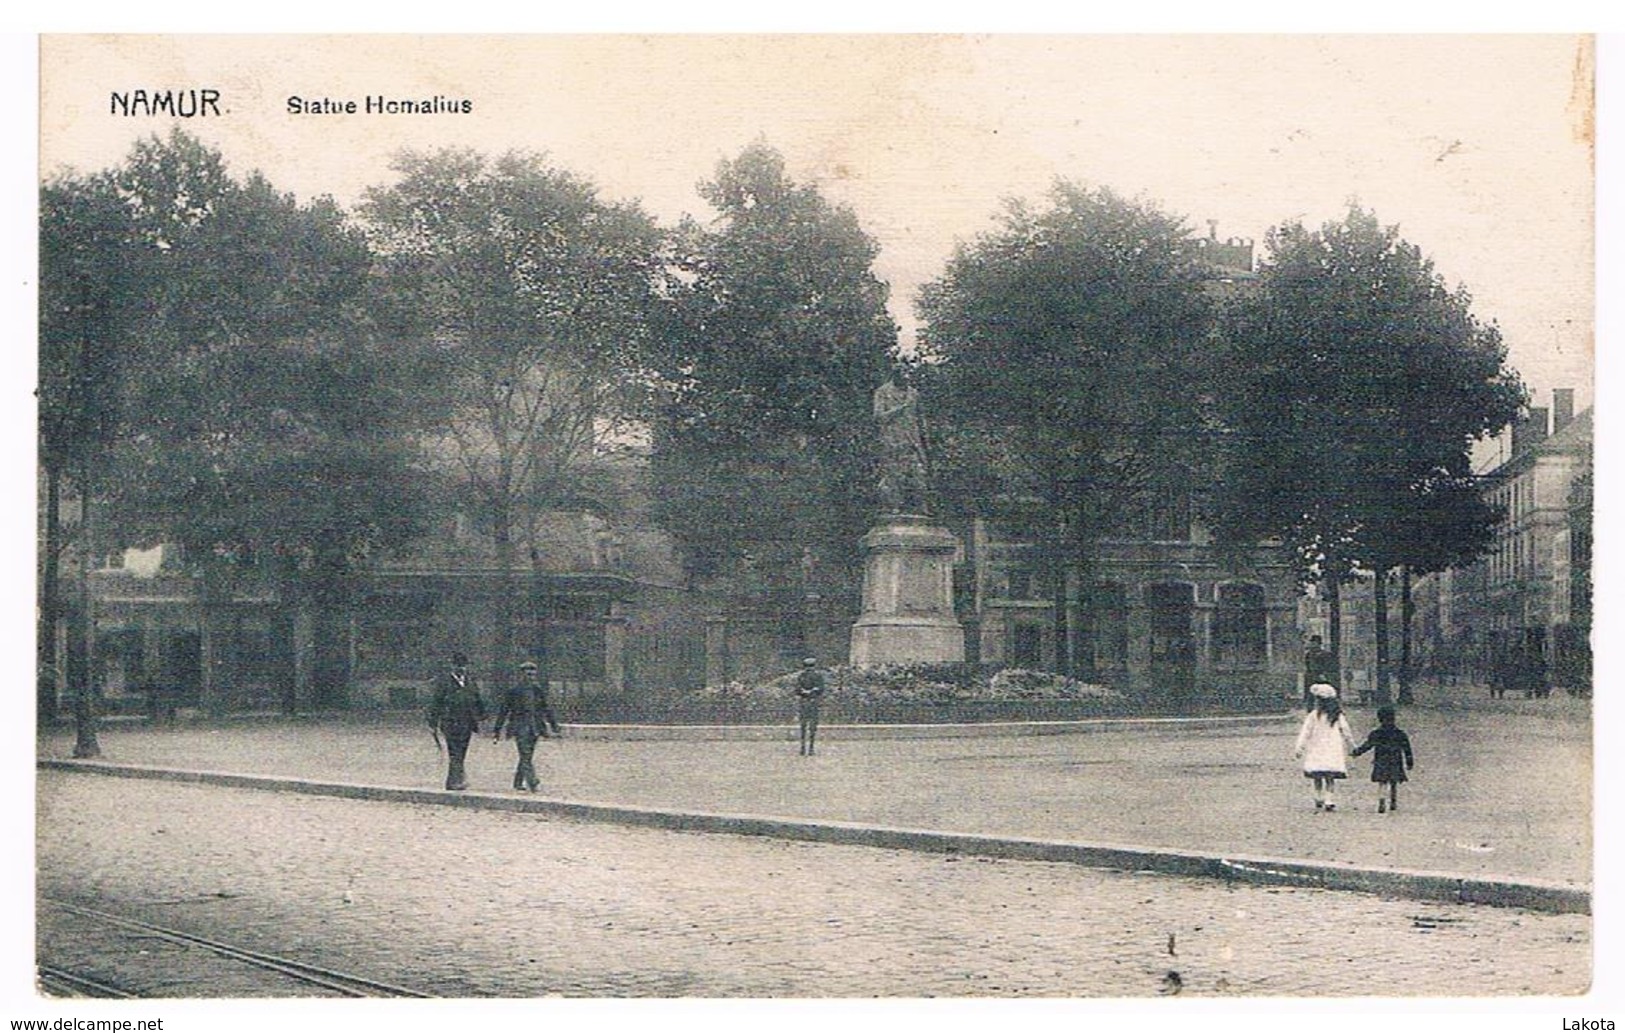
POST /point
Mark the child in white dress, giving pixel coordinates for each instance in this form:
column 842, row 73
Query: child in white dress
column 1323, row 744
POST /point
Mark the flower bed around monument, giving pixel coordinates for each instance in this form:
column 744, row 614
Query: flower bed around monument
column 926, row 693
column 920, row 684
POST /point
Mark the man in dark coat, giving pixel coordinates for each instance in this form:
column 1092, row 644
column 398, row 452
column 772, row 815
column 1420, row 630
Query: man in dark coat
column 522, row 713
column 456, row 712
column 1319, row 668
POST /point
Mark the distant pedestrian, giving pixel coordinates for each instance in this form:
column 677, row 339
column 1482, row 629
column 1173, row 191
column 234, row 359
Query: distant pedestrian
column 1319, row 668
column 456, row 711
column 1391, row 760
column 809, row 696
column 1497, row 675
column 1322, row 742
column 521, row 714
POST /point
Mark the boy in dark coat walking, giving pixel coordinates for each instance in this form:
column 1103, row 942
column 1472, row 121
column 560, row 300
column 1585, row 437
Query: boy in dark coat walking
column 1392, row 759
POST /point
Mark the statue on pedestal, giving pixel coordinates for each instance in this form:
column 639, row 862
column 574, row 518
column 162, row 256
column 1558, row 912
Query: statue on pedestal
column 903, row 479
column 908, row 606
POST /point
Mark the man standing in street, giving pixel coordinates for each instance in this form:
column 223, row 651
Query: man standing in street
column 521, row 714
column 809, row 694
column 1319, row 668
column 456, row 712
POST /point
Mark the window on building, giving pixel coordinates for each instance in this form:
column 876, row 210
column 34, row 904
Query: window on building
column 1171, row 609
column 1239, row 632
column 121, row 654
column 255, row 651
column 1027, row 645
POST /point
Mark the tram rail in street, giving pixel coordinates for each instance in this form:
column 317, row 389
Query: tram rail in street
column 341, row 983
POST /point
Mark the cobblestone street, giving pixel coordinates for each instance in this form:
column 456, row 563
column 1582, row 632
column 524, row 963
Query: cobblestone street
column 476, row 903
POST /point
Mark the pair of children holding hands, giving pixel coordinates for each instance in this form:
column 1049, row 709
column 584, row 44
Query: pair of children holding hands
column 1324, row 739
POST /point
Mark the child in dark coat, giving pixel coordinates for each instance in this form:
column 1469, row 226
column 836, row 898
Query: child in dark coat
column 1390, row 762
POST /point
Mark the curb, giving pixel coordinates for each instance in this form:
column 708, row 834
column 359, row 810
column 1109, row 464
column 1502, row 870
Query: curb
column 1534, row 895
column 757, row 732
column 877, row 731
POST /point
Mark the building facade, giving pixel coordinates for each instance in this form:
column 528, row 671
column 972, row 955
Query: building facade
column 600, row 596
column 1519, row 618
column 1165, row 620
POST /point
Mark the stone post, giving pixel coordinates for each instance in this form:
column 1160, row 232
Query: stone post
column 716, row 650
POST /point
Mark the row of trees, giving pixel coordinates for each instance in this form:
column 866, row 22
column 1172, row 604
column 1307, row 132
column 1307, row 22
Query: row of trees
column 1095, row 364
column 295, row 389
column 214, row 374
column 285, row 384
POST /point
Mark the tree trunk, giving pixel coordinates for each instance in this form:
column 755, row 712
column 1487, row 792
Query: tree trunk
column 1407, row 610
column 1380, row 590
column 85, row 741
column 539, row 608
column 1334, row 618
column 507, row 597
column 1065, row 634
column 1056, row 554
column 1084, row 639
column 50, row 605
column 285, row 665
column 330, row 648
column 330, row 626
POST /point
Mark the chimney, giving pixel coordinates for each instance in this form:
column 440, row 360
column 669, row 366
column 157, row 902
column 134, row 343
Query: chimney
column 1213, row 230
column 1562, row 408
column 1529, row 431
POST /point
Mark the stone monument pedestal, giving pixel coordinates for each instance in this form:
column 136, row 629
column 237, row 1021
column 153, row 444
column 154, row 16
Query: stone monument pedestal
column 908, row 598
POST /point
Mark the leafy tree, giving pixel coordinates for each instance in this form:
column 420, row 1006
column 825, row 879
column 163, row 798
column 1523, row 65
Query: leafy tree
column 778, row 336
column 1069, row 354
column 90, row 276
column 529, row 298
column 1356, row 385
column 264, row 429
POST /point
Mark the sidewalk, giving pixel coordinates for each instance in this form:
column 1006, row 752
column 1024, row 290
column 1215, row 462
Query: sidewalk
column 1498, row 793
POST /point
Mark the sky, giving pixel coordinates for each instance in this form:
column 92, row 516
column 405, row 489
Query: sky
column 1477, row 146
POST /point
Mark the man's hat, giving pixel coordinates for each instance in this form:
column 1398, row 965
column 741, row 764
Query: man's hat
column 529, row 665
column 811, row 661
column 1321, row 690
